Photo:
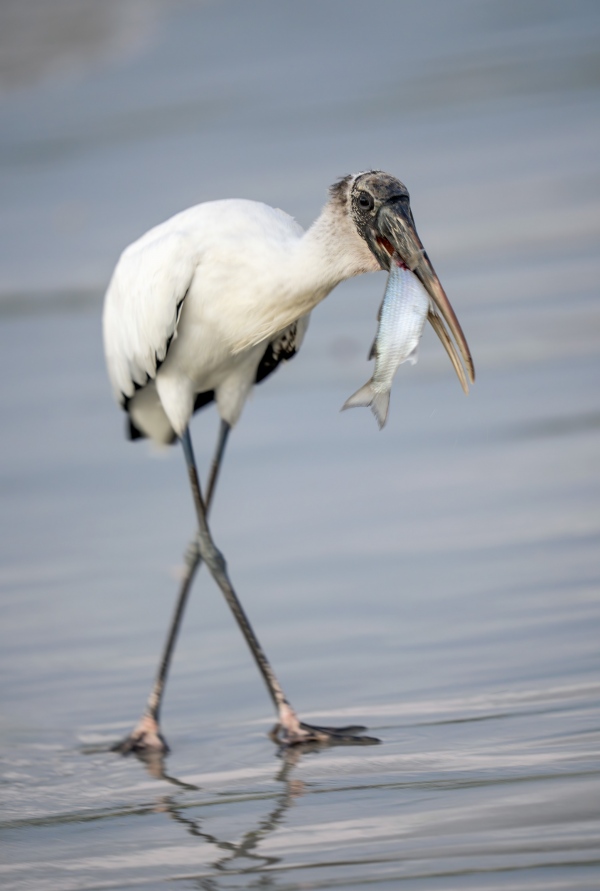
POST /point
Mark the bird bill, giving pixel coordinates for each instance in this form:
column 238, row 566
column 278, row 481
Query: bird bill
column 402, row 316
column 397, row 234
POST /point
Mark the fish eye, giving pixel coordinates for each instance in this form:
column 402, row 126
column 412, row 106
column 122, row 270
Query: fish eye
column 365, row 201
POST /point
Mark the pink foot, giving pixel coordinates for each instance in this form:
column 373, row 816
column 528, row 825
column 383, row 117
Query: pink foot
column 145, row 738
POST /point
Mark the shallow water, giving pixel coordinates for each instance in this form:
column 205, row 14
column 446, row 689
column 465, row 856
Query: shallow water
column 438, row 582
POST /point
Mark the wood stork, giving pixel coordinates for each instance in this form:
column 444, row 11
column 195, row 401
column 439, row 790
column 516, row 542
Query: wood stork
column 207, row 304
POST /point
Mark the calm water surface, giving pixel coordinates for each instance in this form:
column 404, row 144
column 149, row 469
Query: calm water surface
column 438, row 582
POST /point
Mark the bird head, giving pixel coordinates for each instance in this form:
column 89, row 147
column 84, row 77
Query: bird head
column 380, row 208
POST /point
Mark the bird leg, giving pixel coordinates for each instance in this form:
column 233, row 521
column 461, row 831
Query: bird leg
column 289, row 730
column 146, row 736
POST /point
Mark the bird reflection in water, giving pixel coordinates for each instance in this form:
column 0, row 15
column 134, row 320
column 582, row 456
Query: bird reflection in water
column 232, row 854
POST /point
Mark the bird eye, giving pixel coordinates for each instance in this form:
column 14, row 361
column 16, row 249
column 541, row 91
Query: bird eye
column 365, row 201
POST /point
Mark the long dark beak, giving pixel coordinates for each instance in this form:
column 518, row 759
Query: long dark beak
column 398, row 234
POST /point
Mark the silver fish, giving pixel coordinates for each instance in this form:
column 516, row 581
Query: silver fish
column 401, row 319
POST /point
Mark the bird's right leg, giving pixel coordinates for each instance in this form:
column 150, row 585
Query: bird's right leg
column 147, row 736
column 289, row 730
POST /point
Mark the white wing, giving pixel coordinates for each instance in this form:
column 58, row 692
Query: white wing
column 143, row 305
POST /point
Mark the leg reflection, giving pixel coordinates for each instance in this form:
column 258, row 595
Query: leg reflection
column 241, row 856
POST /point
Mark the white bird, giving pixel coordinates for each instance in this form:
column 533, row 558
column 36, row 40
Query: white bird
column 207, row 304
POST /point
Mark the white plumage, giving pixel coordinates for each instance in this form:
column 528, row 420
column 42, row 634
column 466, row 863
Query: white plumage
column 194, row 303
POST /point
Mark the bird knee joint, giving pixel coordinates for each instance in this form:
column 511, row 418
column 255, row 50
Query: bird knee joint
column 192, row 552
column 212, row 556
column 216, row 562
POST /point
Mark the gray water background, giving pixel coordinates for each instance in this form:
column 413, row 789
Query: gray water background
column 438, row 581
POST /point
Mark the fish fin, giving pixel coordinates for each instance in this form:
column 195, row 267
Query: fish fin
column 413, row 356
column 372, row 351
column 380, row 406
column 366, row 396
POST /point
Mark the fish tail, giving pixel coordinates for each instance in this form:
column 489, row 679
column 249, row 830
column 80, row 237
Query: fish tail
column 367, row 396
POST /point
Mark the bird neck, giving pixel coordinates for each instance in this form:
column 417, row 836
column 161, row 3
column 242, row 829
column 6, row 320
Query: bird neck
column 303, row 274
column 332, row 249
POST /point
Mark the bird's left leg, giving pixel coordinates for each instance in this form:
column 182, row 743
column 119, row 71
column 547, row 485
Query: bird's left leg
column 147, row 737
column 290, row 730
